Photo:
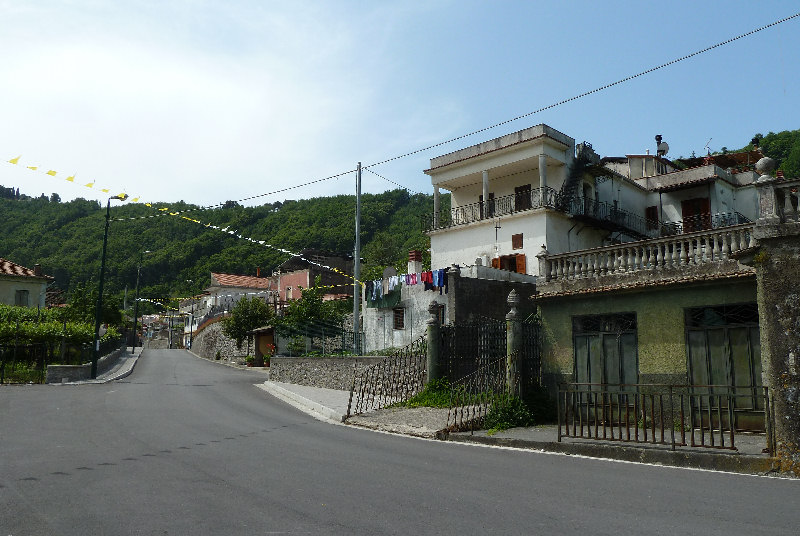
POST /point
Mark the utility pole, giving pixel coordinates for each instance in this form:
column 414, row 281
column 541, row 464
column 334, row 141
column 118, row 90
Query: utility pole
column 357, row 267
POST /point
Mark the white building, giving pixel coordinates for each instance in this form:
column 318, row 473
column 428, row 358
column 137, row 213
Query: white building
column 514, row 194
column 22, row 286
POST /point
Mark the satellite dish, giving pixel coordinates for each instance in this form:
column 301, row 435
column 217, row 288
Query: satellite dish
column 663, row 148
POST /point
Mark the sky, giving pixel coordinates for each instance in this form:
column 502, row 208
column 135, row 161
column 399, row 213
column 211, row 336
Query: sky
column 209, row 101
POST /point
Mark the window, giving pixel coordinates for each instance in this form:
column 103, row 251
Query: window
column 399, row 318
column 512, row 263
column 605, row 349
column 651, row 217
column 516, row 241
column 288, row 293
column 22, row 297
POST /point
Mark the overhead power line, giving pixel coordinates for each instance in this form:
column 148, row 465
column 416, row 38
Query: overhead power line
column 596, row 90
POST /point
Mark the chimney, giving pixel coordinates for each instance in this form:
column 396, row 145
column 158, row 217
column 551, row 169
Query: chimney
column 414, row 261
column 37, row 270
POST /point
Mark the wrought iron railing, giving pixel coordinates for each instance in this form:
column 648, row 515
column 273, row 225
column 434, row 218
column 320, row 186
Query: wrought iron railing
column 466, row 347
column 501, row 206
column 704, row 416
column 703, row 222
column 472, row 397
column 610, row 214
column 394, row 379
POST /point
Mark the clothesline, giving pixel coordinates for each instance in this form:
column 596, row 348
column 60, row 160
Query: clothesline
column 432, row 279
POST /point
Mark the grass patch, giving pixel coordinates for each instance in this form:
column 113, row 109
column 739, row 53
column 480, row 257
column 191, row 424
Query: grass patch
column 436, row 394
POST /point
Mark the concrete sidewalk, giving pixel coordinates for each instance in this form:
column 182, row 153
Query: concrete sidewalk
column 331, row 405
column 122, row 367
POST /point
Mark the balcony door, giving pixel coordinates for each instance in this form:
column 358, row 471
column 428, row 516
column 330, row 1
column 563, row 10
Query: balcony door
column 696, row 214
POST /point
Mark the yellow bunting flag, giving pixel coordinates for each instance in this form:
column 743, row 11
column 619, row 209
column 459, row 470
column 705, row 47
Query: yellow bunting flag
column 51, row 173
column 135, row 200
column 15, row 160
column 104, row 190
column 89, row 185
column 34, row 168
column 71, row 178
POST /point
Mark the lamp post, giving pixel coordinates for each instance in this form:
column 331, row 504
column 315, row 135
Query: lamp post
column 191, row 318
column 99, row 312
column 136, row 301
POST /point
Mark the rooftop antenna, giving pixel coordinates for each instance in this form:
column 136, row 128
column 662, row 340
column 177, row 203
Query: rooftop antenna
column 708, row 151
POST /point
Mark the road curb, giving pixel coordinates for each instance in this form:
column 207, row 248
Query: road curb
column 733, row 463
column 300, row 402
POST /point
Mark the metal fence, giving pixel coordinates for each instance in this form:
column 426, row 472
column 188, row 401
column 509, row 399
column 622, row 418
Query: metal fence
column 472, row 397
column 27, row 363
column 704, row 416
column 321, row 337
column 464, row 348
column 394, row 379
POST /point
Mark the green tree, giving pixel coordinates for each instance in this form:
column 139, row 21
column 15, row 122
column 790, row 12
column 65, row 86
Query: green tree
column 247, row 315
column 311, row 311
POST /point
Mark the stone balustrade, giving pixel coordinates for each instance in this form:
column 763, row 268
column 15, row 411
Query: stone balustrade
column 779, row 200
column 675, row 252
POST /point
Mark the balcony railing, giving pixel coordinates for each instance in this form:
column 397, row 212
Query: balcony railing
column 703, row 222
column 600, row 213
column 691, row 249
column 502, row 206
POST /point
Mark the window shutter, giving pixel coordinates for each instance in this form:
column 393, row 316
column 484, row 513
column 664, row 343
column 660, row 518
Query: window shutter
column 496, row 263
column 521, row 264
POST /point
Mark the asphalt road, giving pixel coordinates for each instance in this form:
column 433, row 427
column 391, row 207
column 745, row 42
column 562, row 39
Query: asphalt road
column 186, row 446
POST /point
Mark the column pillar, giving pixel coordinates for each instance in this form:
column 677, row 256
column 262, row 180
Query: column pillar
column 487, row 210
column 779, row 317
column 514, row 341
column 542, row 173
column 436, row 207
column 434, row 363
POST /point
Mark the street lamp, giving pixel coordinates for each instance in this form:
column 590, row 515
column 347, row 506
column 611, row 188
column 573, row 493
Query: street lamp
column 99, row 312
column 136, row 301
column 191, row 318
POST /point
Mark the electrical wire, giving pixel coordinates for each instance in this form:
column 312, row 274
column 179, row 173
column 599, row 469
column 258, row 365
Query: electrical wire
column 587, row 93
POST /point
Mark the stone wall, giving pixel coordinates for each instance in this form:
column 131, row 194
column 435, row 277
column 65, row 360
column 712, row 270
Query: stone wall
column 76, row 373
column 328, row 373
column 211, row 340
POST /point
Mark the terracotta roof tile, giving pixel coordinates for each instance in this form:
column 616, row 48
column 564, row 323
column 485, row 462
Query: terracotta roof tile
column 11, row 268
column 240, row 281
column 645, row 284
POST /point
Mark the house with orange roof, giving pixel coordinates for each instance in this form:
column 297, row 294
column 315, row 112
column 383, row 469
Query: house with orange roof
column 26, row 287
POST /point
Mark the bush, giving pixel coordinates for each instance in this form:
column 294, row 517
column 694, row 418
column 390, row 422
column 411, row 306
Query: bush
column 507, row 411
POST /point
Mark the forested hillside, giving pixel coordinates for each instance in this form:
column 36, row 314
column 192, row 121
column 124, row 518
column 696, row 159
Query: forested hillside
column 66, row 238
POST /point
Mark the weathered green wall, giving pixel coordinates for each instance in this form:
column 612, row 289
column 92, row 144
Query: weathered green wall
column 660, row 320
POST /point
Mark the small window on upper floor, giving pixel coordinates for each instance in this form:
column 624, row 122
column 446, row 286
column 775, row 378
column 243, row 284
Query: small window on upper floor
column 516, row 241
column 399, row 318
column 22, row 297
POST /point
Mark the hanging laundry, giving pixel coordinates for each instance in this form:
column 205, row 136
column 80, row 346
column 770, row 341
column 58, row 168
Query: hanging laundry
column 443, row 281
column 368, row 288
column 393, row 282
